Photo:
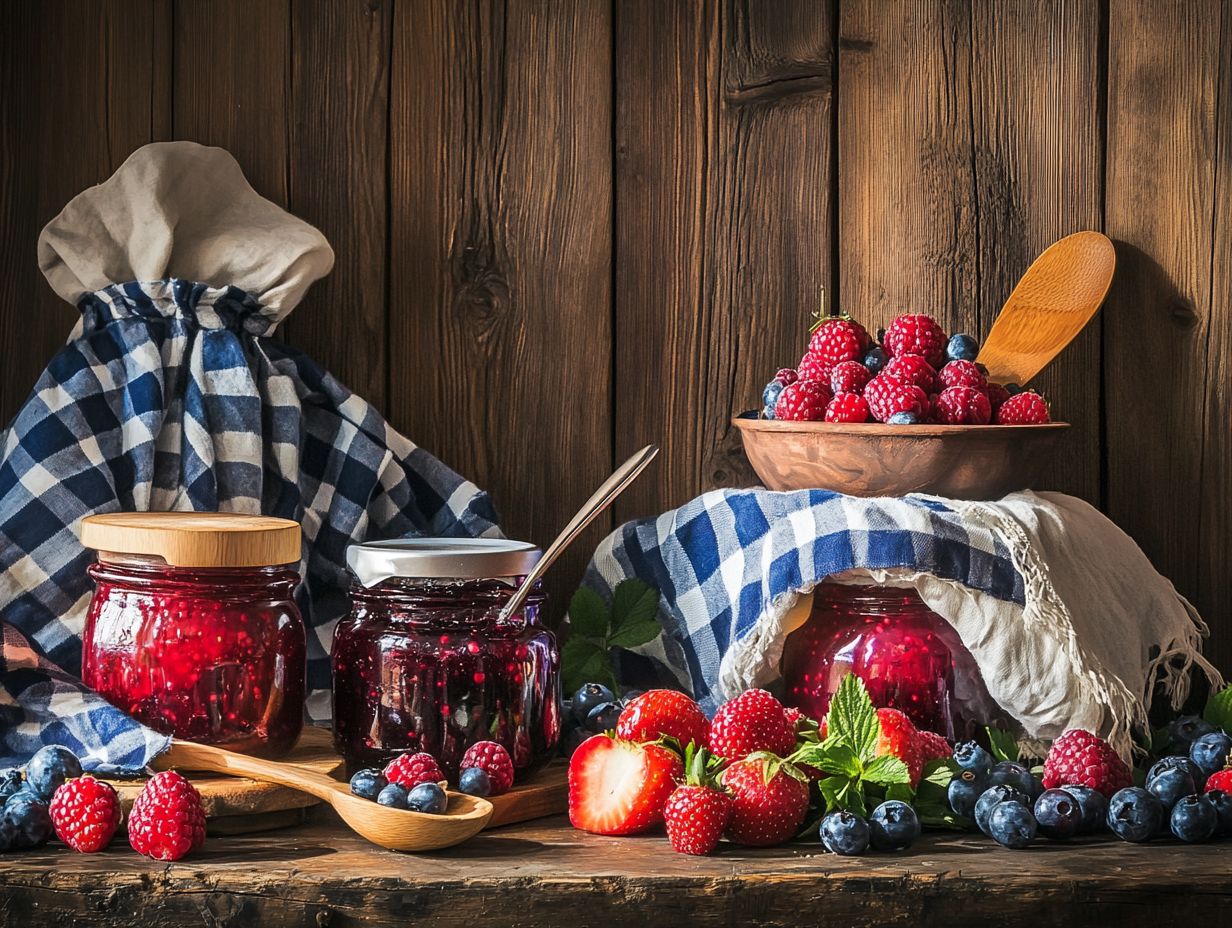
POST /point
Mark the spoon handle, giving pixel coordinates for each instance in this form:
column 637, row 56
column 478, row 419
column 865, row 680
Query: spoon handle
column 612, row 487
column 191, row 756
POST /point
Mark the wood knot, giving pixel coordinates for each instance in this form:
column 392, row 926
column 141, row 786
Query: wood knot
column 1184, row 314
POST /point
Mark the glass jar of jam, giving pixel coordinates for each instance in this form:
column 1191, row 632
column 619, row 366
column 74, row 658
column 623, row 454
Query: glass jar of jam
column 423, row 663
column 193, row 628
column 909, row 658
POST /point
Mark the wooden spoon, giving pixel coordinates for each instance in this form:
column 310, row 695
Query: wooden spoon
column 1057, row 296
column 396, row 829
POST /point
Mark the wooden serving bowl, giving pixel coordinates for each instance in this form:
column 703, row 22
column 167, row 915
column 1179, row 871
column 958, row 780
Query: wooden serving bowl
column 957, row 461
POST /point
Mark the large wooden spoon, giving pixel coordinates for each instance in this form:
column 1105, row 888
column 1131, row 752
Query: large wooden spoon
column 396, row 829
column 1057, row 296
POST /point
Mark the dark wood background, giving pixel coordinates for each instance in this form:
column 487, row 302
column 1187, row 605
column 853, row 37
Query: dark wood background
column 566, row 229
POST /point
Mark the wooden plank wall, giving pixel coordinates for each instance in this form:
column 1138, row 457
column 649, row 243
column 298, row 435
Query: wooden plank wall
column 569, row 227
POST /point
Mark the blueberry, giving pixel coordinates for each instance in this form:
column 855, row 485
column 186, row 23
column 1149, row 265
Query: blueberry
column 10, row 783
column 427, row 797
column 1012, row 773
column 964, row 791
column 770, row 395
column 1058, row 814
column 767, row 412
column 971, row 756
column 474, row 782
column 50, row 767
column 25, row 821
column 962, row 348
column 574, row 739
column 367, row 784
column 1168, row 786
column 1194, row 818
column 1178, row 761
column 1094, row 807
column 894, row 826
column 1210, row 751
column 994, row 796
column 875, row 360
column 844, row 833
column 981, row 368
column 603, row 717
column 1134, row 814
column 393, row 795
column 904, row 418
column 630, row 695
column 1223, row 806
column 1012, row 388
column 1012, row 825
column 1185, row 730
column 586, row 698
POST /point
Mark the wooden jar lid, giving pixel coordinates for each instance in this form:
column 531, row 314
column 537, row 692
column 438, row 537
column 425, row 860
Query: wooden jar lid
column 195, row 539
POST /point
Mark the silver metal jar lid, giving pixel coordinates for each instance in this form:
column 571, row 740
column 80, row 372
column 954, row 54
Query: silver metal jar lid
column 458, row 558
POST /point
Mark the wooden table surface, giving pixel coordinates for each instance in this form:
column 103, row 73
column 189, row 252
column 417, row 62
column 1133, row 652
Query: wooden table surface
column 544, row 873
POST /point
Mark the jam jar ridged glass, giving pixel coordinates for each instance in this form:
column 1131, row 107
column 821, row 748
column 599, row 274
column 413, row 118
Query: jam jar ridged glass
column 423, row 663
column 198, row 642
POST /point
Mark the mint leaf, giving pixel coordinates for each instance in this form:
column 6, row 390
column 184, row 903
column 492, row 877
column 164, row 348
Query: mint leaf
column 635, row 632
column 830, row 789
column 1218, row 709
column 886, row 770
column 837, row 757
column 843, row 793
column 1004, row 746
column 588, row 614
column 583, row 661
column 634, row 602
column 853, row 718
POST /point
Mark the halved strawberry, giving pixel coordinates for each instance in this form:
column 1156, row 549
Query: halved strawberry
column 619, row 787
column 663, row 713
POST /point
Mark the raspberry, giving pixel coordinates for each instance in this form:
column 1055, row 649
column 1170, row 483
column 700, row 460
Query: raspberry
column 1083, row 759
column 753, row 721
column 86, row 814
column 911, row 368
column 847, row 407
column 409, row 770
column 887, row 395
column 848, row 377
column 803, row 401
column 963, row 374
column 1220, row 780
column 493, row 760
column 839, row 340
column 1023, row 409
column 932, row 745
column 786, row 376
column 811, row 368
column 167, row 820
column 915, row 333
column 962, row 406
column 997, row 395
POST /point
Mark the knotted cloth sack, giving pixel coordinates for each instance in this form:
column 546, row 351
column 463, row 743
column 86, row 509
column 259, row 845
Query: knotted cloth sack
column 171, row 395
column 1068, row 623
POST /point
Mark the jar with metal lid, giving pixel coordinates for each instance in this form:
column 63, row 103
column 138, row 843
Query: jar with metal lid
column 424, row 663
column 193, row 628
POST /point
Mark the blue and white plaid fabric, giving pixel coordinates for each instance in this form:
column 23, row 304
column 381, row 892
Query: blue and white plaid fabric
column 721, row 560
column 170, row 395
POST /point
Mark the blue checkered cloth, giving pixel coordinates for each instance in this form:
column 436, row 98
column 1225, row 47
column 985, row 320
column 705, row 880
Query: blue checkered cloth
column 171, row 395
column 721, row 560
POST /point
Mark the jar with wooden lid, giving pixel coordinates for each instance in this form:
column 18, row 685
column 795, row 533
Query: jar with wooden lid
column 193, row 628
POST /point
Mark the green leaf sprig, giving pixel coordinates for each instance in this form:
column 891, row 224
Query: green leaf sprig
column 1218, row 711
column 594, row 631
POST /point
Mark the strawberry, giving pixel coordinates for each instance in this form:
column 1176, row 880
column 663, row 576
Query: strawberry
column 769, row 800
column 811, row 368
column 803, row 401
column 848, row 377
column 963, row 374
column 962, row 406
column 887, row 395
column 838, row 340
column 915, row 333
column 932, row 746
column 847, row 407
column 753, row 721
column 899, row 738
column 663, row 714
column 1024, row 408
column 697, row 811
column 912, row 369
column 618, row 787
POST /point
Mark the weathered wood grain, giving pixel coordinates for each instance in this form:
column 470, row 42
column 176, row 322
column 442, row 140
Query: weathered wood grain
column 1168, row 316
column 546, row 874
column 500, row 250
column 723, row 224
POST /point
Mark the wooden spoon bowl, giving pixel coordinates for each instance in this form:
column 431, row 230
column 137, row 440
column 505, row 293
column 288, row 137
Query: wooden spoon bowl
column 979, row 462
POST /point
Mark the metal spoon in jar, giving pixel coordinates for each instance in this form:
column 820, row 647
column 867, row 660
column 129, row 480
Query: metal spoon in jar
column 611, row 488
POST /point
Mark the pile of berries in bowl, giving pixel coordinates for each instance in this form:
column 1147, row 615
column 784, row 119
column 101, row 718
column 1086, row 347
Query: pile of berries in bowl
column 916, row 413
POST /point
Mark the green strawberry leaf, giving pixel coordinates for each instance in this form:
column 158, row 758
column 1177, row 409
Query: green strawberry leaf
column 830, row 788
column 853, row 718
column 837, row 757
column 584, row 661
column 635, row 632
column 634, row 601
column 588, row 614
column 902, row 792
column 1218, row 709
column 886, row 770
column 1003, row 744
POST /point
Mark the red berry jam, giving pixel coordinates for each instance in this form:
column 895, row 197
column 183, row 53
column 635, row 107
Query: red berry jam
column 909, row 658
column 213, row 655
column 424, row 664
